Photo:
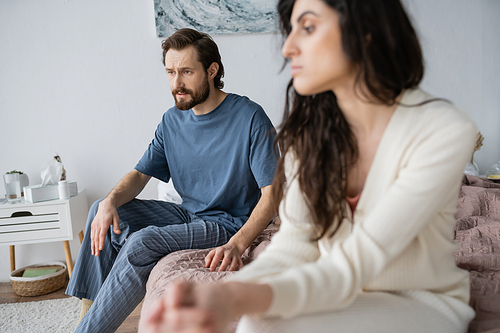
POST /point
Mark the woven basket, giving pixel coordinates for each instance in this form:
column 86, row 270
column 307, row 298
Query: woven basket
column 41, row 285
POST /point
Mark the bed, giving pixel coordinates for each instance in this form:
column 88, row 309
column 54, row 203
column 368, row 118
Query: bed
column 477, row 233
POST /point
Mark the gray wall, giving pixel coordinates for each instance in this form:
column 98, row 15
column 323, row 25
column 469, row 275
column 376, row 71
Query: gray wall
column 461, row 44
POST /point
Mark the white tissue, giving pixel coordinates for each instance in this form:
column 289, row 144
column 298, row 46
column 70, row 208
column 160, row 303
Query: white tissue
column 51, row 172
column 167, row 192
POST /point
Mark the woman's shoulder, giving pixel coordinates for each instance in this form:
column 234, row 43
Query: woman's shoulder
column 420, row 107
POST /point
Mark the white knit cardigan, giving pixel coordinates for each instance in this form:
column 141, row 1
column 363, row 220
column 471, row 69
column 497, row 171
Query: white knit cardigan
column 401, row 236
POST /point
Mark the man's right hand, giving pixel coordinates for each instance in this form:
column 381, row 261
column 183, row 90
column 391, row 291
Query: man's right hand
column 106, row 216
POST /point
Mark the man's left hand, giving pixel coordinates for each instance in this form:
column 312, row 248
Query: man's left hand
column 230, row 256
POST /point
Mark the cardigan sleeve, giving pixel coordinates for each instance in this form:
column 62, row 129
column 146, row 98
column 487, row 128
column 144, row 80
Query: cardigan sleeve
column 434, row 166
column 291, row 245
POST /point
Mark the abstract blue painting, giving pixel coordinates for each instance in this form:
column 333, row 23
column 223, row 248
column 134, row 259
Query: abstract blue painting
column 216, row 17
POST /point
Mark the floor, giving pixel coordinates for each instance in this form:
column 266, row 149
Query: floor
column 7, row 295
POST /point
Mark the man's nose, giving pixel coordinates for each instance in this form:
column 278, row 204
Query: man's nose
column 178, row 82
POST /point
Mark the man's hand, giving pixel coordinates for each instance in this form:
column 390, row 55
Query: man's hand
column 127, row 189
column 230, row 256
column 106, row 216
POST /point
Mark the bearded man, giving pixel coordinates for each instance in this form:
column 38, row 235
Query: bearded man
column 217, row 148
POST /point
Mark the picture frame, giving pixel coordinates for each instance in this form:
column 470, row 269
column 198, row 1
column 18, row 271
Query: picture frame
column 221, row 17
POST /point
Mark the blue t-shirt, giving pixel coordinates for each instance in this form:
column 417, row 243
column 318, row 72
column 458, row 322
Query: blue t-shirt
column 218, row 161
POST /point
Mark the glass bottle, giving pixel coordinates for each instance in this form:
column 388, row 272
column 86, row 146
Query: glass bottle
column 494, row 171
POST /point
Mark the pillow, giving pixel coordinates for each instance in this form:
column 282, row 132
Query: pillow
column 167, row 192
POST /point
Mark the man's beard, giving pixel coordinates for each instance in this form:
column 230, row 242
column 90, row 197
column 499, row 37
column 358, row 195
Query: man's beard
column 197, row 97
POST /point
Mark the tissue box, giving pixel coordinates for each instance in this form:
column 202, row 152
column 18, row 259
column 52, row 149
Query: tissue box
column 39, row 193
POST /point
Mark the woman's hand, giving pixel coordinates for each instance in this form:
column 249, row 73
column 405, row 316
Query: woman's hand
column 191, row 308
column 205, row 308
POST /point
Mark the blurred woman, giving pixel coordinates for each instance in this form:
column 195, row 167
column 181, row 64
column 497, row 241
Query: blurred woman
column 367, row 185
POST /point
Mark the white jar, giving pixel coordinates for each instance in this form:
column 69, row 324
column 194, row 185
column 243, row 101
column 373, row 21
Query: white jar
column 63, row 190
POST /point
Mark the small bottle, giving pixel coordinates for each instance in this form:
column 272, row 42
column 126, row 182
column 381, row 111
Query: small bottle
column 63, row 190
column 494, row 171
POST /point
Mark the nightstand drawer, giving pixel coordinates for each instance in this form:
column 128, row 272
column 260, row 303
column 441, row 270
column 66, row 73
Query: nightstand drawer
column 46, row 221
column 32, row 223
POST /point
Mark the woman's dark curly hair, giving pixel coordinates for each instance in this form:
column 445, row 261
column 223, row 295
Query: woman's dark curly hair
column 380, row 41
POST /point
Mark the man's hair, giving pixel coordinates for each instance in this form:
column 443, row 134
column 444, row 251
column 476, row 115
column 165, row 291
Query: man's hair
column 205, row 47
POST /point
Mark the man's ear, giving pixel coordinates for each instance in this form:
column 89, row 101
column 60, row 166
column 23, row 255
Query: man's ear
column 213, row 70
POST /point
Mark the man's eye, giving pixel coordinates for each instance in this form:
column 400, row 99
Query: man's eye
column 187, row 72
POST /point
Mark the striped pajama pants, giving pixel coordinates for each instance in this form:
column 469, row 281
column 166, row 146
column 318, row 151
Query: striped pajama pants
column 116, row 280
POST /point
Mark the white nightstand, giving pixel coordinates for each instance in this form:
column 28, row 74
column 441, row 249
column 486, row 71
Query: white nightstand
column 48, row 221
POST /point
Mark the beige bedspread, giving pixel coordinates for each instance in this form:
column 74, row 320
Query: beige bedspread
column 188, row 265
column 478, row 234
